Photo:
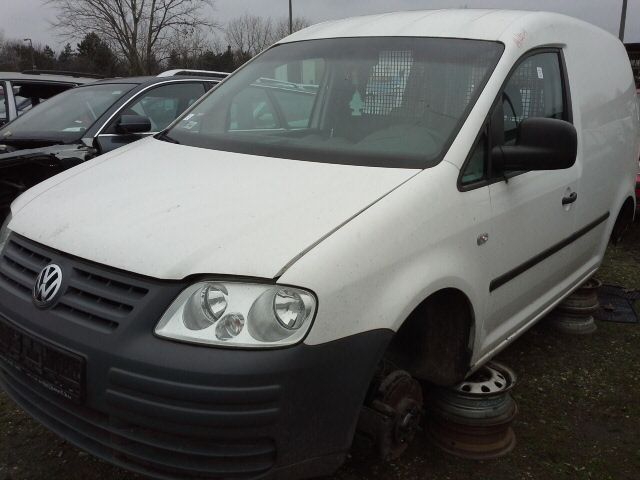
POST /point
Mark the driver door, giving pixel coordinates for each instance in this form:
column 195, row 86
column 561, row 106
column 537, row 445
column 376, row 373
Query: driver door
column 533, row 215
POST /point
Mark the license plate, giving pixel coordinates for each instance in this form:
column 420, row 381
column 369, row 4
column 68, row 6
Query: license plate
column 54, row 368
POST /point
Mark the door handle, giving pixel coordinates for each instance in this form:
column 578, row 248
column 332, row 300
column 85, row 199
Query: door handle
column 569, row 199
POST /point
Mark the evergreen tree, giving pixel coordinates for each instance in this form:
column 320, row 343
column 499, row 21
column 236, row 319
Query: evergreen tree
column 95, row 56
column 66, row 58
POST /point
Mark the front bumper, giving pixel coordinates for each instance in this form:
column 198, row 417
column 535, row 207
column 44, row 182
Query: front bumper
column 172, row 410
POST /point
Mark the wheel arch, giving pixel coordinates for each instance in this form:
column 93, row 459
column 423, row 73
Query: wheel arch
column 436, row 340
column 624, row 219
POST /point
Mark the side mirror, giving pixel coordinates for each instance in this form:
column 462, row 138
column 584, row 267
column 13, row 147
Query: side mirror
column 543, row 144
column 128, row 124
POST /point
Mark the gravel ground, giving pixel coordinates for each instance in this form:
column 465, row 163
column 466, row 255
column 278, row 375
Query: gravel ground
column 579, row 413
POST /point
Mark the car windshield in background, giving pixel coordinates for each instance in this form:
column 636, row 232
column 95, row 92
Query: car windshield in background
column 68, row 115
column 394, row 102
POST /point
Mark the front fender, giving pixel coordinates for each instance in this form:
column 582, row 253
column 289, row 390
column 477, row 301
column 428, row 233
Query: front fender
column 375, row 270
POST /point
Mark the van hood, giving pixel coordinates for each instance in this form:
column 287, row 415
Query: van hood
column 169, row 211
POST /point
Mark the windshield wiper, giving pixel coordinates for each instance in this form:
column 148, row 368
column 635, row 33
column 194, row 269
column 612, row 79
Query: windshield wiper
column 166, row 138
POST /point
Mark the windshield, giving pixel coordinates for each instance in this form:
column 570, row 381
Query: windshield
column 393, row 102
column 66, row 116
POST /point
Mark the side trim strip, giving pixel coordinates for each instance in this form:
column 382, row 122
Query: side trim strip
column 519, row 270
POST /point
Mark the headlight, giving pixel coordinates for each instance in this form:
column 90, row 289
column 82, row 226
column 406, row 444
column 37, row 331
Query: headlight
column 239, row 315
column 4, row 232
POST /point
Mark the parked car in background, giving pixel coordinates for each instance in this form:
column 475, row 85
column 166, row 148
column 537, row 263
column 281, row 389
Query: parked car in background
column 371, row 206
column 90, row 120
column 19, row 92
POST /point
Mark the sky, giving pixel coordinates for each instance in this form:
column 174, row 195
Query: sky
column 31, row 19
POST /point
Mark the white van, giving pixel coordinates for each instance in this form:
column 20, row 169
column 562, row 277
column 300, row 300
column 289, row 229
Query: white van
column 421, row 187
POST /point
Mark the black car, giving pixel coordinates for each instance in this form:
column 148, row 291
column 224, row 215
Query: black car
column 90, row 120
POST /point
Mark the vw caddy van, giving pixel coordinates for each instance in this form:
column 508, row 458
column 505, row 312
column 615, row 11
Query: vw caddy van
column 412, row 190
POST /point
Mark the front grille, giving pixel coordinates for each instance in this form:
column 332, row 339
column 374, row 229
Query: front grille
column 158, row 453
column 96, row 298
column 19, row 267
column 98, row 301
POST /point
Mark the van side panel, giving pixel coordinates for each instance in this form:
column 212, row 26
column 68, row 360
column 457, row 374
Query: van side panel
column 606, row 111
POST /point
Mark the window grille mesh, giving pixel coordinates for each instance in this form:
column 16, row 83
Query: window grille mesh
column 387, row 83
column 530, row 99
column 400, row 85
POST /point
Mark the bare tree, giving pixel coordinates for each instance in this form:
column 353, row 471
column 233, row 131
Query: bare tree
column 281, row 27
column 249, row 34
column 141, row 31
column 186, row 49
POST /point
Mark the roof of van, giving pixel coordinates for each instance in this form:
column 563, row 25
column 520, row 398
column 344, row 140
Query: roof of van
column 461, row 23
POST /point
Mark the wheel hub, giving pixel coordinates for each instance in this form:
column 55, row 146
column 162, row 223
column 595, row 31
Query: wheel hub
column 393, row 416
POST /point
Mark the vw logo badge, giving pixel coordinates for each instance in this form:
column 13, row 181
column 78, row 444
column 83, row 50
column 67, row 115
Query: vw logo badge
column 47, row 285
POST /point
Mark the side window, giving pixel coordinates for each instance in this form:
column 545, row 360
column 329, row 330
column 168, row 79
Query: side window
column 251, row 109
column 535, row 89
column 283, row 98
column 163, row 104
column 4, row 111
column 296, row 106
column 476, row 169
column 24, row 102
column 209, row 85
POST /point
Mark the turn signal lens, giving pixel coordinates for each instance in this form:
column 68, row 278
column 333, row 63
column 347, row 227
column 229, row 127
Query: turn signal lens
column 230, row 326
